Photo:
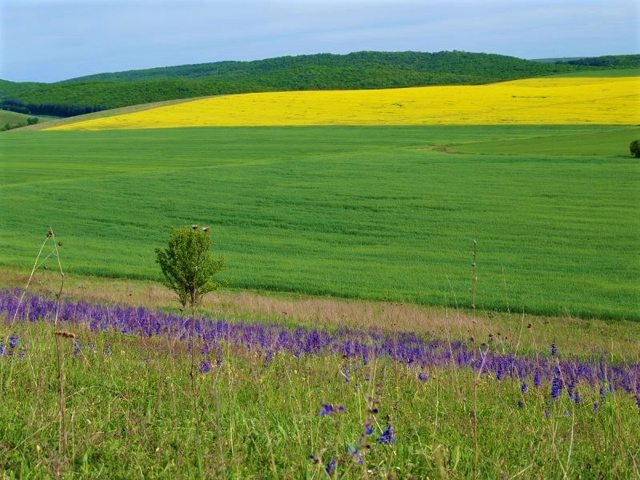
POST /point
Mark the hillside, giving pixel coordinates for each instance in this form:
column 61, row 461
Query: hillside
column 361, row 70
column 10, row 120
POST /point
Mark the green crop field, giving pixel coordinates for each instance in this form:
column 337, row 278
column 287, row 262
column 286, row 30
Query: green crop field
column 375, row 213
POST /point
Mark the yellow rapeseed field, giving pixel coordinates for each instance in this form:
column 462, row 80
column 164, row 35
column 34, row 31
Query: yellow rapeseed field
column 539, row 101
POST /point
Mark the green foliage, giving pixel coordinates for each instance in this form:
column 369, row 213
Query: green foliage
column 635, row 148
column 188, row 264
column 608, row 61
column 374, row 213
column 358, row 70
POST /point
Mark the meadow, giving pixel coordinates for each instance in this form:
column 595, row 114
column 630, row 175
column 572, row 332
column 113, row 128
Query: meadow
column 278, row 401
column 380, row 213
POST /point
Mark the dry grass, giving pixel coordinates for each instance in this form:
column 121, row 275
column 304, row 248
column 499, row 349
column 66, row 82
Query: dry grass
column 512, row 330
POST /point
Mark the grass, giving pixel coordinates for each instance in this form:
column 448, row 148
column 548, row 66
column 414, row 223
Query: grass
column 130, row 411
column 614, row 142
column 370, row 213
column 14, row 118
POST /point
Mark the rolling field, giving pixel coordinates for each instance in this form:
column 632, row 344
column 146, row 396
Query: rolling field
column 13, row 119
column 373, row 213
column 548, row 101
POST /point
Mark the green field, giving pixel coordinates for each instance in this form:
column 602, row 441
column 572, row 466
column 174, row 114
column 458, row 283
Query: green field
column 376, row 213
column 14, row 119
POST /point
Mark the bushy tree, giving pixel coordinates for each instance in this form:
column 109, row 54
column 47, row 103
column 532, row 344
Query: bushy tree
column 188, row 264
column 635, row 148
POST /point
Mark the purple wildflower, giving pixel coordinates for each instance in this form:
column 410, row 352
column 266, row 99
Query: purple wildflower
column 21, row 355
column 387, row 435
column 205, row 366
column 328, row 409
column 554, row 349
column 595, row 407
column 331, row 466
column 354, row 453
column 520, row 404
column 368, row 429
column 524, row 388
column 546, row 414
column 638, row 400
column 576, row 397
column 423, row 377
column 76, row 348
column 556, row 387
column 536, row 379
column 13, row 341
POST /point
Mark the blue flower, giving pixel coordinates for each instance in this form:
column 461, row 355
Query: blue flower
column 536, row 379
column 556, row 387
column 328, row 409
column 331, row 466
column 205, row 366
column 387, row 436
column 76, row 348
column 368, row 429
column 423, row 376
column 554, row 350
column 354, row 453
column 524, row 387
column 14, row 341
column 520, row 404
column 595, row 407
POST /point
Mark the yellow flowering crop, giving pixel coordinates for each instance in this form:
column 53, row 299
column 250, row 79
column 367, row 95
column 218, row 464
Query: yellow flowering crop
column 539, row 101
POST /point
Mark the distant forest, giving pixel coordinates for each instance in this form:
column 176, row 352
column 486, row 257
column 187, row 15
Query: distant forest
column 361, row 70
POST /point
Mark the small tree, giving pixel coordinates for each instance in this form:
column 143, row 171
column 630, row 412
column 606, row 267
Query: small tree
column 188, row 265
column 635, row 148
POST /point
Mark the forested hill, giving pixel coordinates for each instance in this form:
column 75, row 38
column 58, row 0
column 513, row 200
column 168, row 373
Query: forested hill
column 359, row 70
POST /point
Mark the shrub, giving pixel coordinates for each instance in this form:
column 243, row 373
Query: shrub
column 188, row 264
column 635, row 148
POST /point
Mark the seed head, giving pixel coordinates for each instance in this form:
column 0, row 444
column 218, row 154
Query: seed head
column 205, row 229
column 194, row 226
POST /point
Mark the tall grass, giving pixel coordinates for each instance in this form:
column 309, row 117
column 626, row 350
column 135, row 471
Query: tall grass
column 270, row 412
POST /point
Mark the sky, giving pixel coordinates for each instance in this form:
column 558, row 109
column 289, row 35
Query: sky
column 53, row 40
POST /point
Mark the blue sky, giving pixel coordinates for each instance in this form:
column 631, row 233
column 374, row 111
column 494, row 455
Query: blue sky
column 51, row 40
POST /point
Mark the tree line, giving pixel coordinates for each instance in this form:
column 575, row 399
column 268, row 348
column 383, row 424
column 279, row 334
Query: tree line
column 49, row 109
column 360, row 70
